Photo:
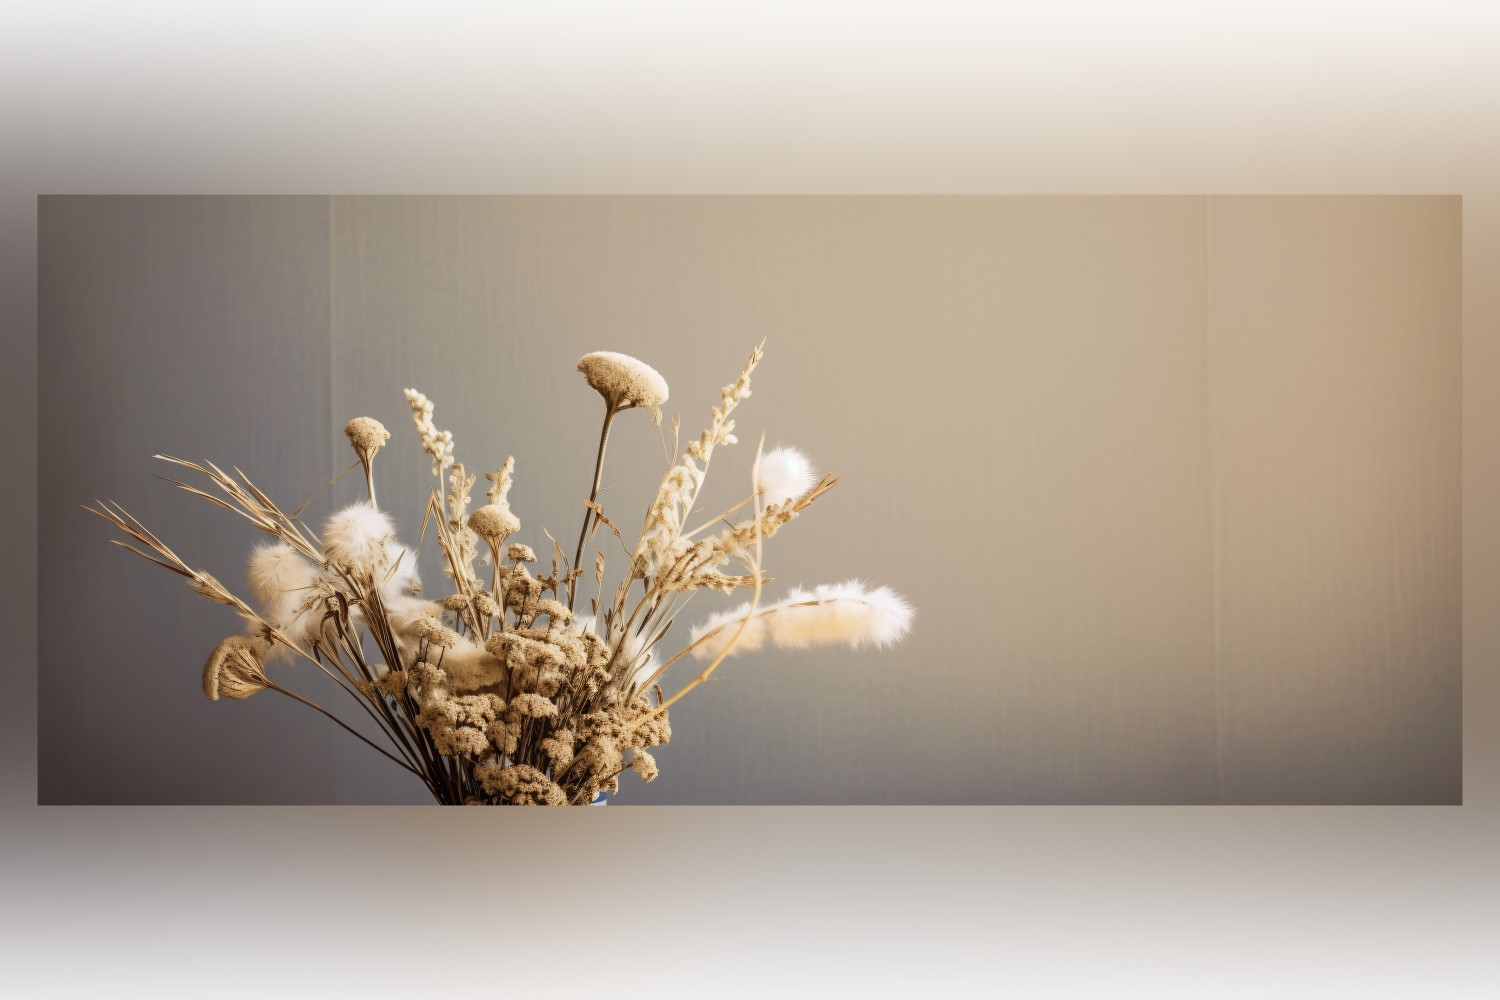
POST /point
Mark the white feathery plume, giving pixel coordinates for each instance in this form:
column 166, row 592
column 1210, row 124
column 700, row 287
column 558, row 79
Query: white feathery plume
column 282, row 581
column 630, row 654
column 404, row 580
column 363, row 539
column 720, row 628
column 355, row 537
column 785, row 474
column 286, row 585
column 644, row 669
column 833, row 613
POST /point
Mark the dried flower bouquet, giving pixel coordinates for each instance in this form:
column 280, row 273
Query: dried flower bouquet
column 499, row 693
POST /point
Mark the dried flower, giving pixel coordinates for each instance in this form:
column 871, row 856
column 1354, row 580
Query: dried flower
column 485, row 605
column 624, row 382
column 438, row 444
column 466, row 664
column 494, row 523
column 660, row 542
column 427, row 676
column 234, row 669
column 556, row 610
column 366, row 435
column 645, row 765
column 487, row 772
column 460, row 741
column 356, row 538
column 785, row 474
column 462, row 544
column 531, row 706
column 843, row 613
column 444, row 637
column 500, row 482
column 524, row 785
column 499, row 693
column 282, row 581
column 559, row 749
column 394, row 683
column 205, row 585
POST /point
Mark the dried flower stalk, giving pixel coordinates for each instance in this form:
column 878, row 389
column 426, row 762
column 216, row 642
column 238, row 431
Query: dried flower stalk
column 499, row 693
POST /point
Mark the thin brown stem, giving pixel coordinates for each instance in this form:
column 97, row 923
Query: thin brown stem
column 347, row 728
column 369, row 464
column 588, row 512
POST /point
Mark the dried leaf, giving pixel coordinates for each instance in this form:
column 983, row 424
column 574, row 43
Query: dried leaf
column 599, row 513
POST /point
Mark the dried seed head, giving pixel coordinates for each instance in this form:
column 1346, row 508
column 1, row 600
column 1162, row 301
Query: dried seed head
column 460, row 741
column 487, row 772
column 394, row 683
column 438, row 444
column 524, row 785
column 427, row 676
column 234, row 669
column 521, row 553
column 494, row 523
column 441, row 636
column 645, row 766
column 206, row 585
column 624, row 382
column 500, row 481
column 556, row 610
column 531, row 706
column 366, row 435
column 504, row 734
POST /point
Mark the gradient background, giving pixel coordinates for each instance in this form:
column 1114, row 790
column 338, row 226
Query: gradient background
column 1172, row 482
column 1274, row 98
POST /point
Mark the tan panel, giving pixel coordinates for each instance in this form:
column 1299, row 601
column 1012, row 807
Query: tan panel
column 1334, row 327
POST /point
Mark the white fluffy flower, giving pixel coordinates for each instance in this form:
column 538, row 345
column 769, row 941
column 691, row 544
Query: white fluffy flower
column 282, row 581
column 364, row 540
column 355, row 537
column 785, row 474
column 833, row 613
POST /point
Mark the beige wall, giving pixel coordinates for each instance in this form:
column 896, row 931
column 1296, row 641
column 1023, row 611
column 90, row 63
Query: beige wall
column 1173, row 482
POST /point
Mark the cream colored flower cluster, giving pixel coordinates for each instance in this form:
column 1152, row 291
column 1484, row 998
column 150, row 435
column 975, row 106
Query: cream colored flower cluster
column 499, row 692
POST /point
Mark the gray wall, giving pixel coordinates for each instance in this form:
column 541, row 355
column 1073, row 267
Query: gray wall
column 1173, row 482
